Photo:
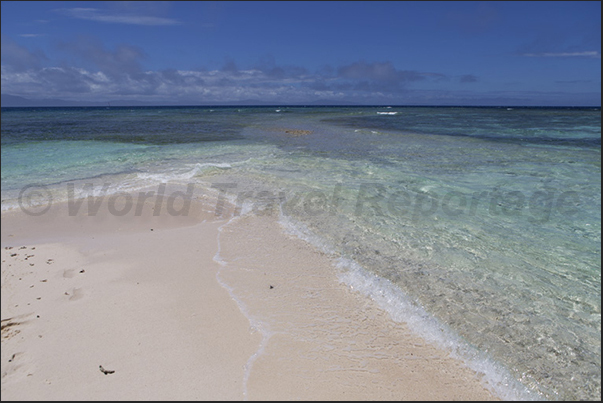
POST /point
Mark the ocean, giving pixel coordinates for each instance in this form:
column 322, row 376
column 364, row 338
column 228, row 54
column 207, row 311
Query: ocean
column 479, row 227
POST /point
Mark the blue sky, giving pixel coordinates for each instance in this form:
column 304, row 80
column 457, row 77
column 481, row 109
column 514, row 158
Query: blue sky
column 405, row 53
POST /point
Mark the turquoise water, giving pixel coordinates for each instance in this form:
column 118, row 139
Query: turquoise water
column 488, row 219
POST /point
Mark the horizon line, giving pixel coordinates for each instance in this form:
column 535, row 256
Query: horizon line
column 303, row 106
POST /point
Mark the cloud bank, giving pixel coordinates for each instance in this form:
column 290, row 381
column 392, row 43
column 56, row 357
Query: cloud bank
column 102, row 74
column 117, row 73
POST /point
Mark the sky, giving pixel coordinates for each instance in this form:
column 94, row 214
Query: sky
column 296, row 52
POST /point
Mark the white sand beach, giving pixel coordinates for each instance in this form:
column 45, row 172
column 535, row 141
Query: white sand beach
column 198, row 307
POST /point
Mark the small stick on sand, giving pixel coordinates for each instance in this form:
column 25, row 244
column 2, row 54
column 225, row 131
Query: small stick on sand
column 105, row 371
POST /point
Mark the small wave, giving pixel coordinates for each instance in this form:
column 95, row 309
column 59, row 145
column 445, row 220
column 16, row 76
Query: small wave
column 212, row 164
column 301, row 231
column 401, row 309
column 9, row 205
column 387, row 113
column 179, row 176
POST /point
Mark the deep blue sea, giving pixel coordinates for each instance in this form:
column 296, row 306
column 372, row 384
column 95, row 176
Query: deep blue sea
column 486, row 220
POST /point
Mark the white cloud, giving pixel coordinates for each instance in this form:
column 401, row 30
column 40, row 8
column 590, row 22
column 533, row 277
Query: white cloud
column 588, row 54
column 94, row 14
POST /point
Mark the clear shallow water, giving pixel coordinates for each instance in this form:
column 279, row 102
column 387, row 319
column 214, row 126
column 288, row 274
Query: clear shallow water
column 487, row 218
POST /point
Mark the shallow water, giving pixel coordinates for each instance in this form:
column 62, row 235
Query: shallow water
column 487, row 219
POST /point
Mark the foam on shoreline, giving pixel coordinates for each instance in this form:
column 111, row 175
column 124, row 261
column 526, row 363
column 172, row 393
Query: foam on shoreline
column 403, row 310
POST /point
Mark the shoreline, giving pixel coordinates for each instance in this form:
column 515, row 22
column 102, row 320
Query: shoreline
column 199, row 308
